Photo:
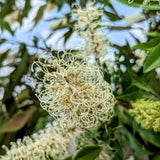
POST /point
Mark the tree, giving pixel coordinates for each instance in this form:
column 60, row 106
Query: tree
column 119, row 122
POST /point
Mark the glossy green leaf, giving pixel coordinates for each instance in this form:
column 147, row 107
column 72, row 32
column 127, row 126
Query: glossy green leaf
column 138, row 3
column 88, row 153
column 147, row 45
column 153, row 60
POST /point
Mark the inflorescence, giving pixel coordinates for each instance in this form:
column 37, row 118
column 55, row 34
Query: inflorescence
column 147, row 113
column 73, row 90
column 49, row 142
column 90, row 29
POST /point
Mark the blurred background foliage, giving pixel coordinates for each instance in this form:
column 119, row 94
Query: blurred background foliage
column 20, row 111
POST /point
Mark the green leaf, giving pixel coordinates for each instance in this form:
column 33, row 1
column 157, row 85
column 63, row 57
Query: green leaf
column 138, row 4
column 147, row 45
column 153, row 60
column 112, row 16
column 88, row 153
column 150, row 136
column 20, row 70
column 23, row 95
column 4, row 81
column 67, row 35
column 153, row 34
column 6, row 7
column 118, row 27
column 5, row 26
column 142, row 85
column 130, row 96
column 2, row 40
column 17, row 122
column 68, row 158
column 3, row 56
column 26, row 9
column 133, row 142
column 39, row 14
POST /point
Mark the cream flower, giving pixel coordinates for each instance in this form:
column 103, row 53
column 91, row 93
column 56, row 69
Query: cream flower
column 49, row 142
column 73, row 90
column 141, row 56
column 89, row 28
column 134, row 18
column 11, row 17
column 147, row 113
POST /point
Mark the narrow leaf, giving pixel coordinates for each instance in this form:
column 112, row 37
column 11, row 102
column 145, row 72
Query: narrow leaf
column 150, row 136
column 147, row 45
column 39, row 14
column 88, row 153
column 18, row 122
column 138, row 3
column 152, row 60
column 134, row 143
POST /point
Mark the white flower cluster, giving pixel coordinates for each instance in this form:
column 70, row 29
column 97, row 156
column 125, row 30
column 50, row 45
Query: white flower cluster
column 89, row 28
column 141, row 56
column 52, row 142
column 41, row 145
column 73, row 90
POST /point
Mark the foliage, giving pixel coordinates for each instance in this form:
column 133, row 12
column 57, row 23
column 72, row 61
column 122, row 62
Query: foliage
column 20, row 111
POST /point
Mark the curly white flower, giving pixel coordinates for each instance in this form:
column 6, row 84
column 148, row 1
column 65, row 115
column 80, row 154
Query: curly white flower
column 41, row 145
column 74, row 91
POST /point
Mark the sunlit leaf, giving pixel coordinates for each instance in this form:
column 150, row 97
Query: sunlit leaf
column 147, row 45
column 138, row 3
column 153, row 60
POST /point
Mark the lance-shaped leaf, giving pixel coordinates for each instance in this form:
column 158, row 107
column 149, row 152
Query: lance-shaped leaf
column 147, row 45
column 153, row 60
column 88, row 153
column 17, row 122
column 139, row 3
